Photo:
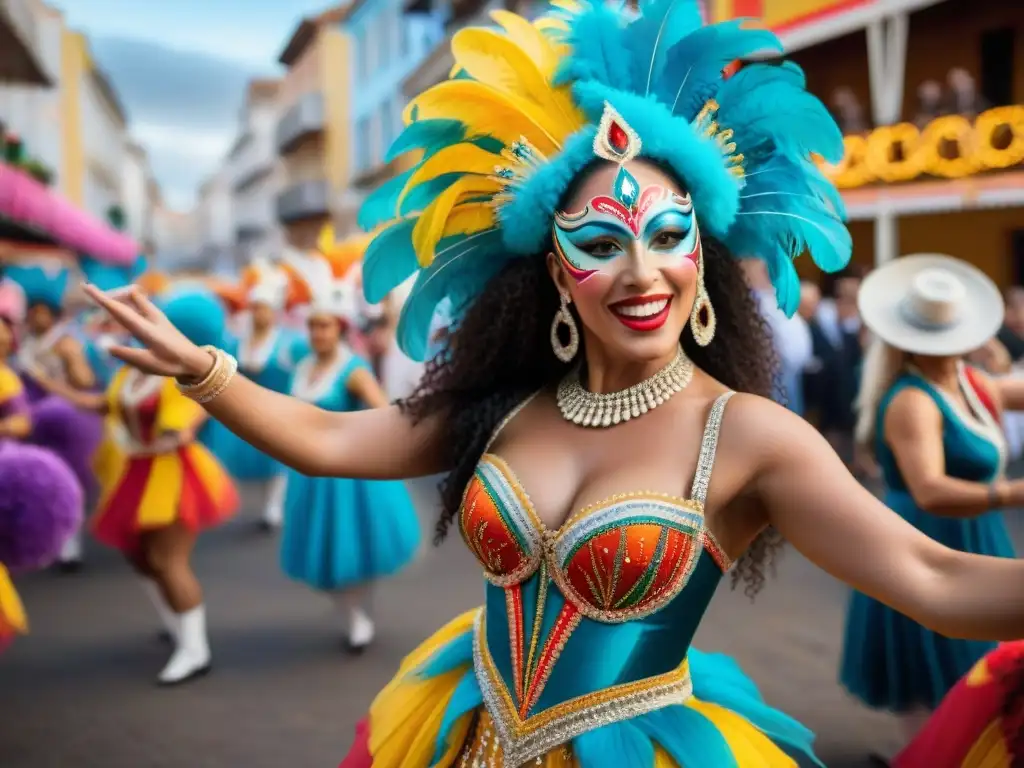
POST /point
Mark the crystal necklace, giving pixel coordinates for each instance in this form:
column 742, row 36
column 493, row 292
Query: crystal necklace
column 605, row 410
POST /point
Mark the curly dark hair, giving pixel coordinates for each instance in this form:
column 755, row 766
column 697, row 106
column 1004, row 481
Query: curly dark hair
column 498, row 355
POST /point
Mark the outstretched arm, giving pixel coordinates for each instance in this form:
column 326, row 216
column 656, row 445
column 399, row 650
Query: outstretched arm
column 84, row 399
column 80, row 374
column 377, row 444
column 814, row 502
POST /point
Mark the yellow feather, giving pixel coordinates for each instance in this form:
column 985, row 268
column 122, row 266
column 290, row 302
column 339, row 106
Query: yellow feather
column 458, row 158
column 432, row 222
column 496, row 60
column 469, row 218
column 486, row 112
column 529, row 38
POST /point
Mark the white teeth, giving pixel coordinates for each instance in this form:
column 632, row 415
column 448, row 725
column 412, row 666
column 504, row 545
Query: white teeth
column 649, row 309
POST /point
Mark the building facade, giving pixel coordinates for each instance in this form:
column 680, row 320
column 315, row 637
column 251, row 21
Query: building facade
column 139, row 194
column 256, row 174
column 215, row 224
column 312, row 132
column 390, row 41
column 177, row 239
column 19, row 55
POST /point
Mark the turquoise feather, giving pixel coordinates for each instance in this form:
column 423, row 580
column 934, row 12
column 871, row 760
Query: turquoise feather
column 41, row 285
column 613, row 746
column 466, row 698
column 426, row 133
column 599, row 49
column 389, row 261
column 382, row 204
column 662, row 24
column 693, row 67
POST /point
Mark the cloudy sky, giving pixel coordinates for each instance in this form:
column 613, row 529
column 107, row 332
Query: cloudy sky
column 180, row 68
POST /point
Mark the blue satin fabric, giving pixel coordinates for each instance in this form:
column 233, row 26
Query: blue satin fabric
column 597, row 655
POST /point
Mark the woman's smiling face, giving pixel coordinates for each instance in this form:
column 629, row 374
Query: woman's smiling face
column 625, row 250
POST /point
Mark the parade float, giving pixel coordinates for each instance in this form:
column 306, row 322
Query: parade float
column 914, row 180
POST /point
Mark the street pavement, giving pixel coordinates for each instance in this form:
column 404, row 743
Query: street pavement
column 78, row 692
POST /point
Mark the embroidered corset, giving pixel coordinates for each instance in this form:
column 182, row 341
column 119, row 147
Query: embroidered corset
column 589, row 624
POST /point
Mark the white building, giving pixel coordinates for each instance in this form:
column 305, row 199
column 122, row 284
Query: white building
column 215, row 224
column 140, row 194
column 176, row 237
column 104, row 128
column 256, row 175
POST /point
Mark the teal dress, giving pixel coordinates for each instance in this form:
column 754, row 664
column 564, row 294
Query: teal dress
column 890, row 661
column 271, row 365
column 338, row 531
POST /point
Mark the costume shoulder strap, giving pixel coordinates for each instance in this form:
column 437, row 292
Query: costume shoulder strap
column 708, row 447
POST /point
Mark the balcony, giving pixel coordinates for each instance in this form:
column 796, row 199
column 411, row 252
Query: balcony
column 305, row 200
column 253, row 159
column 305, row 117
column 18, row 60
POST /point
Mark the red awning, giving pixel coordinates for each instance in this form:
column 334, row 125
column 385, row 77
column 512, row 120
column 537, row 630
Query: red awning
column 25, row 201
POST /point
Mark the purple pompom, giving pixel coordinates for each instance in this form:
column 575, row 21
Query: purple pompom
column 71, row 433
column 40, row 506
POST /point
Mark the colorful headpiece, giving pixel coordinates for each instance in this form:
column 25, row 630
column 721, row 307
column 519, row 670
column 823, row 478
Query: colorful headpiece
column 109, row 277
column 270, row 286
column 195, row 311
column 331, row 294
column 530, row 105
column 44, row 281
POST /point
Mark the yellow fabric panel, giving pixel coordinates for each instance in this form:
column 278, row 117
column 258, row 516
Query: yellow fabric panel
column 989, row 751
column 159, row 506
column 114, row 393
column 176, row 411
column 750, row 747
column 11, row 609
column 212, row 475
column 10, row 384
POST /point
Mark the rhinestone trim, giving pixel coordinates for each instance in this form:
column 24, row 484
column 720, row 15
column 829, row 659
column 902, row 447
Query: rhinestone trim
column 525, row 740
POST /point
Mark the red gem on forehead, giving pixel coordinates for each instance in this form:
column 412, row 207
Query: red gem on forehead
column 618, row 138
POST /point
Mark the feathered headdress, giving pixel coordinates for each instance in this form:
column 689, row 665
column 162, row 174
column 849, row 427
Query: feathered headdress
column 269, row 284
column 44, row 281
column 331, row 293
column 531, row 104
column 196, row 311
column 109, row 277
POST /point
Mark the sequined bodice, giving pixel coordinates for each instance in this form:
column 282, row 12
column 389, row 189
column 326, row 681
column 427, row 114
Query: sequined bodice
column 596, row 616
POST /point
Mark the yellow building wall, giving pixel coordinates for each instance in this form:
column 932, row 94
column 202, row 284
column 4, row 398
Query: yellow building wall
column 781, row 13
column 74, row 62
column 334, row 63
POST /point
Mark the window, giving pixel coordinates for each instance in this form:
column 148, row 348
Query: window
column 383, row 41
column 364, row 144
column 388, row 126
column 403, row 37
column 360, row 54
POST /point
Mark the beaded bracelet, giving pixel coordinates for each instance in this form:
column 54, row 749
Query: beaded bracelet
column 216, row 381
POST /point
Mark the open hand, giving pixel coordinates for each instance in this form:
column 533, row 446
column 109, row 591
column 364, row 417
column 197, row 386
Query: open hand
column 166, row 351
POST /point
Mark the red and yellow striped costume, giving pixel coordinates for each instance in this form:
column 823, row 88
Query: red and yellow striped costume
column 12, row 614
column 980, row 723
column 143, row 488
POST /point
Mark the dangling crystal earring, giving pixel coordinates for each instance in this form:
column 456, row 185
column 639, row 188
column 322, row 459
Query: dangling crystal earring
column 702, row 316
column 565, row 352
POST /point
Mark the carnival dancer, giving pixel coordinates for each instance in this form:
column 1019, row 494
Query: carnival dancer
column 267, row 353
column 167, row 488
column 980, row 723
column 100, row 332
column 51, row 350
column 341, row 534
column 933, row 425
column 551, row 429
column 40, row 498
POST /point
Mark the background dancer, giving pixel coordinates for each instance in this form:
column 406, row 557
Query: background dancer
column 933, row 425
column 50, row 350
column 342, row 534
column 267, row 352
column 167, row 488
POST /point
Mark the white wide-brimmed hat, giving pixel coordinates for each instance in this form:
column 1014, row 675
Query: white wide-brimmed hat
column 930, row 304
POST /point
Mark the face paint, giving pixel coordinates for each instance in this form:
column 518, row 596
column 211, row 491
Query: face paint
column 656, row 220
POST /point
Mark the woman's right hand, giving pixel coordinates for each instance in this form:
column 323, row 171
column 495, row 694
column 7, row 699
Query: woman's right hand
column 166, row 351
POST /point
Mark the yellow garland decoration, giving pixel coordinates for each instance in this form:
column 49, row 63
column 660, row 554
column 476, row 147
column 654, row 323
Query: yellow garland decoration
column 948, row 147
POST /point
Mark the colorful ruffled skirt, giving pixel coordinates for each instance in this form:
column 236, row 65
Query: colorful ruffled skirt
column 12, row 614
column 340, row 532
column 890, row 661
column 432, row 716
column 980, row 724
column 145, row 493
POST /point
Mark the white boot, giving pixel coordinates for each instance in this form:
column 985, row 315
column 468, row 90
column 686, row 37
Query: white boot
column 71, row 553
column 273, row 512
column 361, row 630
column 192, row 656
column 168, row 618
